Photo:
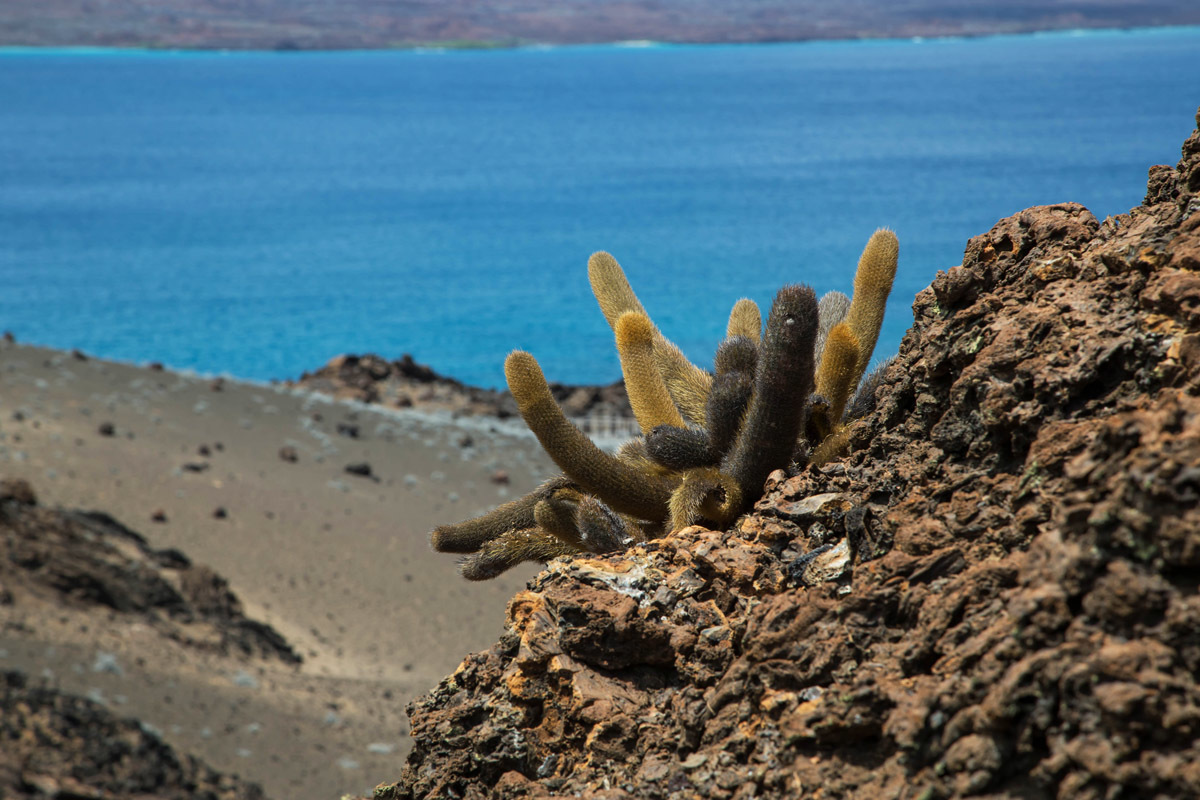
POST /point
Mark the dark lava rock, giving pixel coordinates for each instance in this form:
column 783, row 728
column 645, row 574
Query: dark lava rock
column 158, row 516
column 89, row 559
column 53, row 745
column 288, row 453
column 106, row 429
column 220, row 513
column 349, row 430
column 1016, row 614
column 362, row 469
column 404, row 383
column 17, row 490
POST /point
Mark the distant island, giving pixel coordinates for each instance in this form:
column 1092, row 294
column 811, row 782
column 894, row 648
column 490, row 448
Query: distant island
column 463, row 24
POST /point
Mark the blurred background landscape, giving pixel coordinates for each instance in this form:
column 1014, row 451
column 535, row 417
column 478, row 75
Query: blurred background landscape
column 373, row 24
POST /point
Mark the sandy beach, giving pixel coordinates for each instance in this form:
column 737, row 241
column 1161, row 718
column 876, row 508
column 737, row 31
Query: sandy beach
column 338, row 563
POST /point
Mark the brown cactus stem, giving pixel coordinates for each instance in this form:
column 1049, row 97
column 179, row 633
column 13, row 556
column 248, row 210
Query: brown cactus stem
column 726, row 410
column 782, row 383
column 830, row 311
column 556, row 515
column 679, row 448
column 513, row 548
column 838, row 370
column 705, row 494
column 872, row 285
column 745, row 320
column 648, row 396
column 469, row 536
column 618, row 484
column 686, row 383
column 736, row 354
column 601, row 529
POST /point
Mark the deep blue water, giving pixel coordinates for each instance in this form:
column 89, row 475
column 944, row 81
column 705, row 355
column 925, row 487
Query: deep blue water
column 256, row 214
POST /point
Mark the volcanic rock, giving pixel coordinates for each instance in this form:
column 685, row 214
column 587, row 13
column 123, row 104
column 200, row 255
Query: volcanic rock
column 81, row 559
column 54, row 745
column 403, row 383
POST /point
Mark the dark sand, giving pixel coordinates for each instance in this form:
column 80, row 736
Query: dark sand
column 339, row 564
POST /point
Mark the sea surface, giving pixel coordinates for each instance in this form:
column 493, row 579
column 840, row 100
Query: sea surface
column 254, row 214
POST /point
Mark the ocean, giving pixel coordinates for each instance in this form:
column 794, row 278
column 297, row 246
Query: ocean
column 254, row 214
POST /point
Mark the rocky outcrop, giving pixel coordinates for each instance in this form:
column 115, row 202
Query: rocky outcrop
column 57, row 746
column 53, row 557
column 993, row 595
column 403, row 383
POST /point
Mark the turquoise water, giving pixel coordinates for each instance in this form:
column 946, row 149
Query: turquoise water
column 255, row 214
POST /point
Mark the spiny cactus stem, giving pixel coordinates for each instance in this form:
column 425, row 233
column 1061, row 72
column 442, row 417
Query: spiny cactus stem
column 838, row 370
column 556, row 515
column 736, row 354
column 745, row 320
column 513, row 548
column 781, row 386
column 600, row 528
column 648, row 396
column 686, row 383
column 469, row 536
column 872, row 284
column 679, row 448
column 596, row 472
column 705, row 493
column 726, row 409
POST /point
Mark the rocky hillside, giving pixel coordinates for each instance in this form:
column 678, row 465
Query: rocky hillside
column 56, row 563
column 51, row 558
column 53, row 745
column 993, row 595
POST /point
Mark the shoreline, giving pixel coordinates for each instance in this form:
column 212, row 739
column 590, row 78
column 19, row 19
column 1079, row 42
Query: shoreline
column 473, row 46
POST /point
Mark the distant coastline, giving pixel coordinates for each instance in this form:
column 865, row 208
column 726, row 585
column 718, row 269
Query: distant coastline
column 633, row 44
column 291, row 25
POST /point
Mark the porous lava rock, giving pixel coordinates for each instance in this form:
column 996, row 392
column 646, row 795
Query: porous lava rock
column 1015, row 613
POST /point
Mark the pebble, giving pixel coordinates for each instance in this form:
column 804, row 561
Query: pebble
column 245, row 680
column 107, row 662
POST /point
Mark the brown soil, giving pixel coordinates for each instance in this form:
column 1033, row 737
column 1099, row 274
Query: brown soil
column 1010, row 607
